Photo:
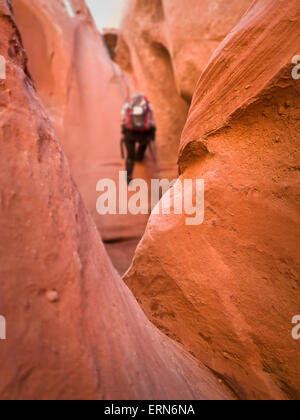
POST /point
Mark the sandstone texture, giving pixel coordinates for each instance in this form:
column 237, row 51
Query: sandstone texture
column 164, row 45
column 74, row 330
column 228, row 289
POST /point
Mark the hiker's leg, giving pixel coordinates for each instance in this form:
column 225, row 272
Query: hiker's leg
column 143, row 144
column 130, row 147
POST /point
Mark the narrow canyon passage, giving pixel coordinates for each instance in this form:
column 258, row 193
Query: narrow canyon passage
column 75, row 331
column 84, row 91
column 121, row 248
column 150, row 306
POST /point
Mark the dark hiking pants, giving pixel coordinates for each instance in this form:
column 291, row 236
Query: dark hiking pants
column 136, row 146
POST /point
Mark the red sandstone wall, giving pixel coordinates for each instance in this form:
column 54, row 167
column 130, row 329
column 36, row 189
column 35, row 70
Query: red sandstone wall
column 228, row 289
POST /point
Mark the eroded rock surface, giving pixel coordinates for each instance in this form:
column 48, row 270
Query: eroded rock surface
column 228, row 289
column 74, row 331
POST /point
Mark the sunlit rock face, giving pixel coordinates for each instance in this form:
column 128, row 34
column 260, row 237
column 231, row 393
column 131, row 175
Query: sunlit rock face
column 229, row 288
column 74, row 330
column 165, row 45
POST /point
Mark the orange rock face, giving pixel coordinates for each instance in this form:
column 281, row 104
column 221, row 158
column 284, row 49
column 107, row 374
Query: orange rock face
column 229, row 289
column 73, row 328
column 165, row 45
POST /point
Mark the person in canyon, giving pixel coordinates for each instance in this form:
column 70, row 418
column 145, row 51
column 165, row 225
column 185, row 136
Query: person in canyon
column 138, row 127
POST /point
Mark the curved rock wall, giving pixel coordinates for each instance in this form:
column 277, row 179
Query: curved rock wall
column 229, row 289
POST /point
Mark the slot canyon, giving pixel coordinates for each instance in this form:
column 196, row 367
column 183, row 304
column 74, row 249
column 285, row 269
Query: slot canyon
column 145, row 307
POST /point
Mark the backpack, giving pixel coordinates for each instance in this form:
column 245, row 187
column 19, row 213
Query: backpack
column 138, row 114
